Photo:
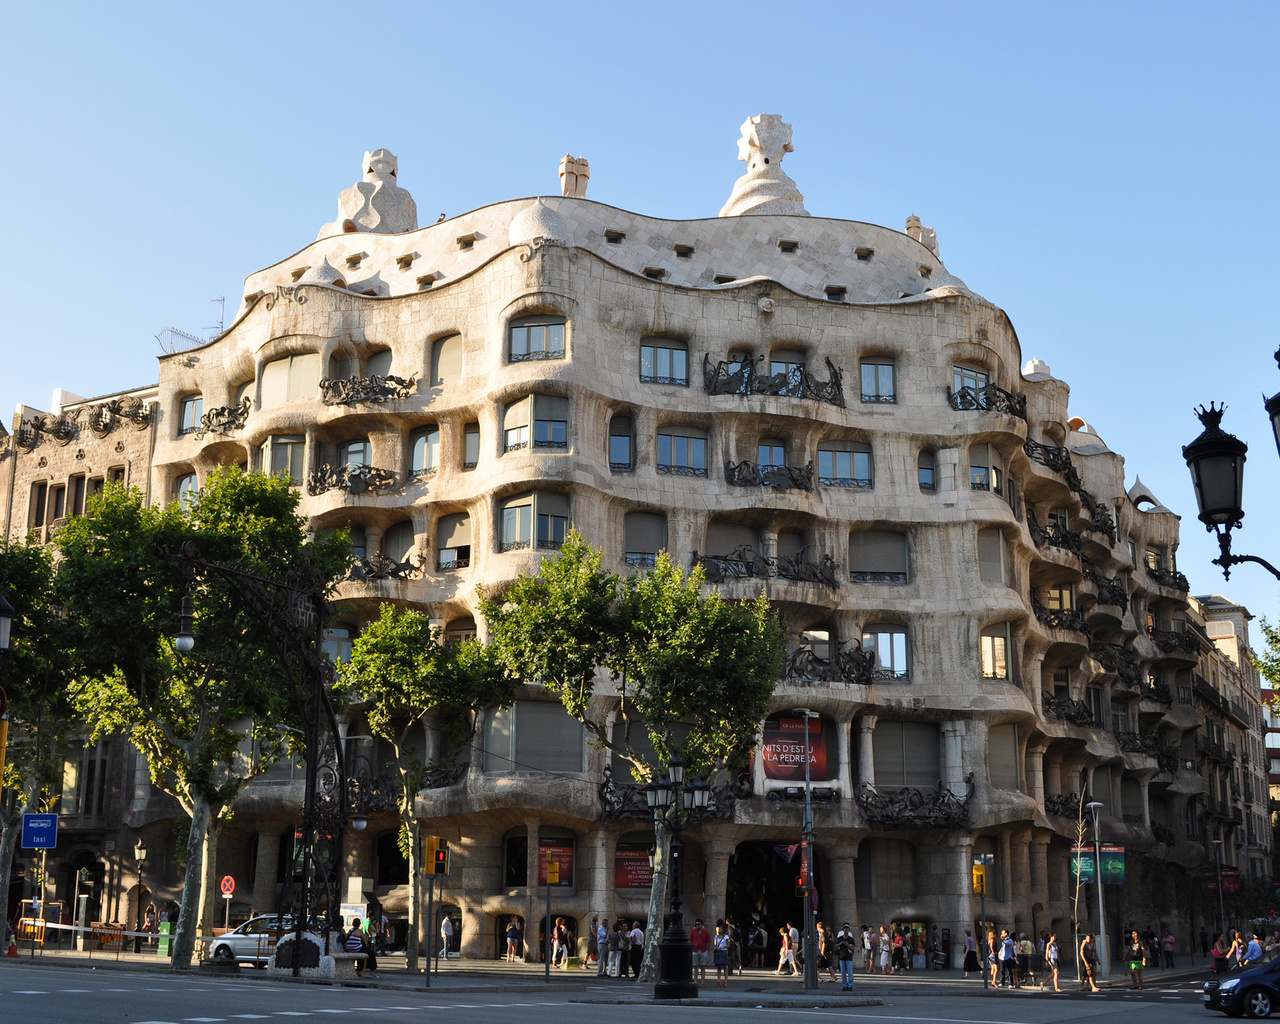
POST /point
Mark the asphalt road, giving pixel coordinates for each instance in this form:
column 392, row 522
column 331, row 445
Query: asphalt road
column 31, row 994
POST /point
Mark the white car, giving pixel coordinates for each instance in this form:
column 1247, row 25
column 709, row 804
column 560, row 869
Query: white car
column 254, row 942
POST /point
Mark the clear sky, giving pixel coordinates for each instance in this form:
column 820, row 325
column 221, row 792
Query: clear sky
column 1103, row 172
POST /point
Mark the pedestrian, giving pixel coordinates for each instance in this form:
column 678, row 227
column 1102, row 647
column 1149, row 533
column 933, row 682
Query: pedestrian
column 760, row 952
column 700, row 940
column 935, row 950
column 786, row 955
column 1051, row 962
column 970, row 954
column 1089, row 961
column 617, row 943
column 993, row 958
column 1008, row 960
column 602, row 947
column 844, row 955
column 1026, row 961
column 446, row 936
column 1219, row 954
column 735, row 945
column 1137, row 958
column 1253, row 951
column 826, row 953
column 1236, row 950
column 637, row 949
column 1167, row 945
column 885, row 948
column 593, row 943
column 513, row 939
column 899, row 951
column 721, row 955
column 384, row 932
column 868, row 949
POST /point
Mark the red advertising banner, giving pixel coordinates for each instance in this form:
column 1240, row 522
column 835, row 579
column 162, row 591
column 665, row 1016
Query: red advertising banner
column 783, row 750
column 562, row 854
column 631, row 868
column 1231, row 881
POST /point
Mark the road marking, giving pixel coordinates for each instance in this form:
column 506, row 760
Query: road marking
column 75, row 991
column 29, row 992
column 293, row 1013
column 333, row 1011
column 250, row 1016
column 203, row 1020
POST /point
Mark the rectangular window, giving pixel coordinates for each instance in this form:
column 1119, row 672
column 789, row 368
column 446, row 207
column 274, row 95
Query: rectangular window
column 995, row 651
column 1002, row 757
column 664, row 364
column 35, row 518
column 1120, row 717
column 877, row 381
column 453, row 542
column 283, row 454
column 470, row 445
column 1060, row 599
column 889, row 644
column 425, row 458
column 620, row 428
column 354, row 453
column 552, row 511
column 78, row 485
column 993, row 557
column 515, row 426
column 550, row 422
column 290, row 379
column 877, row 556
column 537, row 338
column 790, row 367
column 684, row 454
column 845, row 464
column 970, row 377
column 771, row 454
column 927, row 471
column 517, row 524
column 906, row 754
column 57, row 503
column 189, row 414
column 646, row 535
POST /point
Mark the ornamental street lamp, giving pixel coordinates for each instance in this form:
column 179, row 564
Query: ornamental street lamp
column 674, row 806
column 808, row 947
column 1216, row 462
column 140, row 858
column 1104, row 957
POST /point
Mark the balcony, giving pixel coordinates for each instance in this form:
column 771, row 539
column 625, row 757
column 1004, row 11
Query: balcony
column 1117, row 659
column 1062, row 806
column 1060, row 618
column 749, row 378
column 744, row 563
column 854, row 666
column 1054, row 457
column 988, row 398
column 916, row 808
column 371, row 390
column 627, row 800
column 1158, row 691
column 1168, row 578
column 1133, row 743
column 1074, row 711
column 379, row 567
column 1053, row 534
column 349, row 478
column 1110, row 591
column 1170, row 640
column 224, row 419
column 782, row 478
column 1162, row 833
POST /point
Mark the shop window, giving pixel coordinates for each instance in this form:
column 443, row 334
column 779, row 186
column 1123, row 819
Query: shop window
column 190, row 412
column 664, row 362
column 290, row 379
column 424, row 447
column 446, row 360
column 536, row 337
column 877, row 556
column 845, row 464
column 532, row 736
column 645, row 535
column 453, row 542
column 1002, row 757
column 906, row 754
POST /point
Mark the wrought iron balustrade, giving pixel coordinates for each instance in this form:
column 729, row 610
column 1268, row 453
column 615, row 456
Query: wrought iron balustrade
column 1060, row 618
column 749, row 474
column 649, row 378
column 641, row 559
column 623, row 800
column 1061, row 806
column 1162, row 833
column 988, row 398
column 1117, row 659
column 869, row 576
column 845, row 481
column 1110, row 591
column 225, row 418
column 911, row 807
column 379, row 567
column 744, row 563
column 1170, row 640
column 1100, row 517
column 1158, row 691
column 850, row 665
column 748, row 378
column 349, row 478
column 443, row 772
column 535, row 354
column 1067, row 708
column 1132, row 819
column 1055, row 457
column 514, row 545
column 372, row 390
column 1053, row 534
column 675, row 470
column 1133, row 743
column 452, row 564
column 1168, row 578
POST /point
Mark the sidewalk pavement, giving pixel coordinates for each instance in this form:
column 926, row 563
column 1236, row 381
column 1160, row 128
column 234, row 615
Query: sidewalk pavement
column 753, row 988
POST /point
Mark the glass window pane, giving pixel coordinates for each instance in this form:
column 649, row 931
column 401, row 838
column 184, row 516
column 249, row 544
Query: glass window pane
column 537, row 338
column 664, row 362
column 664, row 449
column 680, row 364
column 682, row 451
column 646, row 361
column 519, row 341
column 620, row 450
column 698, row 447
column 555, row 337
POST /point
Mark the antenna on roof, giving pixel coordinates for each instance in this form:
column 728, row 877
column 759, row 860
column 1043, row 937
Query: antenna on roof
column 222, row 313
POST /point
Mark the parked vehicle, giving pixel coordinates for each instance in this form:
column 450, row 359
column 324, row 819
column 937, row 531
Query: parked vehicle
column 254, row 942
column 1253, row 989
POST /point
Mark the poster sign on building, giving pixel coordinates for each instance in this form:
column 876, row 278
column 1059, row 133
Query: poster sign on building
column 1082, row 862
column 562, row 854
column 631, row 868
column 783, row 750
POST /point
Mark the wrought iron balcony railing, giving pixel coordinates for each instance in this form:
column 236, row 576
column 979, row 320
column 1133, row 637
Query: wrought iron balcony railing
column 379, row 567
column 623, row 800
column 1117, row 659
column 1054, row 457
column 989, row 398
column 744, row 563
column 1158, row 691
column 1062, row 805
column 453, row 564
column 748, row 378
column 1170, row 640
column 749, row 474
column 911, row 807
column 1053, row 534
column 850, row 665
column 1060, row 618
column 675, row 470
column 1068, row 709
column 1133, row 743
column 372, row 390
column 1168, row 578
column 641, row 559
column 349, row 478
column 224, row 419
column 1162, row 833
column 1110, row 591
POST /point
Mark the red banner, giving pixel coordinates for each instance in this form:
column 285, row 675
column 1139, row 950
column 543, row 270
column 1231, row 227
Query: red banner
column 562, row 854
column 631, row 868
column 783, row 750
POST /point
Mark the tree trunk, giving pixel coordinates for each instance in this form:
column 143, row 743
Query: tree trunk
column 658, row 901
column 415, row 892
column 208, row 919
column 10, row 830
column 185, row 940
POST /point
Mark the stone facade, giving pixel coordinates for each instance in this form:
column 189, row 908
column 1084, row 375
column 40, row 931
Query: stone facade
column 811, row 407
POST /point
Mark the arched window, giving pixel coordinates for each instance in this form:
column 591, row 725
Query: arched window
column 378, row 364
column 460, row 629
column 446, row 360
column 185, row 489
column 190, row 411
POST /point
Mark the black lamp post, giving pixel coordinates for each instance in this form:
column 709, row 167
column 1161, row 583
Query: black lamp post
column 671, row 802
column 140, row 858
column 1216, row 461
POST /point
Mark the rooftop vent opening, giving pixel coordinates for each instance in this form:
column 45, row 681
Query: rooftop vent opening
column 834, row 293
column 683, row 252
column 354, row 261
column 426, row 281
column 614, row 237
column 349, row 227
column 405, row 262
column 297, row 274
column 788, row 246
column 925, row 271
column 654, row 273
column 864, row 254
column 467, row 241
column 724, row 279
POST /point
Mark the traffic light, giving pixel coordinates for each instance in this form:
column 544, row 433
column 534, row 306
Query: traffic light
column 440, row 862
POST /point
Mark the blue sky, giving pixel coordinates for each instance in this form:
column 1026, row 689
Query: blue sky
column 1103, row 172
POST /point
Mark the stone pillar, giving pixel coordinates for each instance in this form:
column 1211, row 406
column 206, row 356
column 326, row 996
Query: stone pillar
column 1018, row 894
column 866, row 751
column 717, row 852
column 1006, row 876
column 1040, row 870
column 599, row 863
column 844, row 767
column 844, row 893
column 535, row 904
column 1053, row 776
column 953, row 756
column 1035, row 772
column 958, row 907
column 372, row 540
column 266, row 891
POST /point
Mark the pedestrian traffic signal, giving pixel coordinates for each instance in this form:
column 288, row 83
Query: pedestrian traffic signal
column 440, row 864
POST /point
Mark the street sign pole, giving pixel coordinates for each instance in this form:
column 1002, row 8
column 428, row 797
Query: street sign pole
column 431, row 931
column 553, row 873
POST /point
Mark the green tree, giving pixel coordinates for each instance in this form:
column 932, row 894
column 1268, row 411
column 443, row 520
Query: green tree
column 696, row 671
column 405, row 676
column 122, row 592
column 34, row 676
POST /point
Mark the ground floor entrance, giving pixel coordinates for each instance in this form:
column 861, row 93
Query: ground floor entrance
column 762, row 892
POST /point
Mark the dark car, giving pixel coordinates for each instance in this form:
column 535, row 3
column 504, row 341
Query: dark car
column 1253, row 989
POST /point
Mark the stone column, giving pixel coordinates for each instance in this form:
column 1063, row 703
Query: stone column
column 953, row 756
column 844, row 767
column 599, row 863
column 844, row 893
column 1035, row 772
column 866, row 752
column 1053, row 776
column 1006, row 869
column 717, row 852
column 266, row 891
column 1018, row 894
column 958, row 907
column 1040, row 870
column 535, row 904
